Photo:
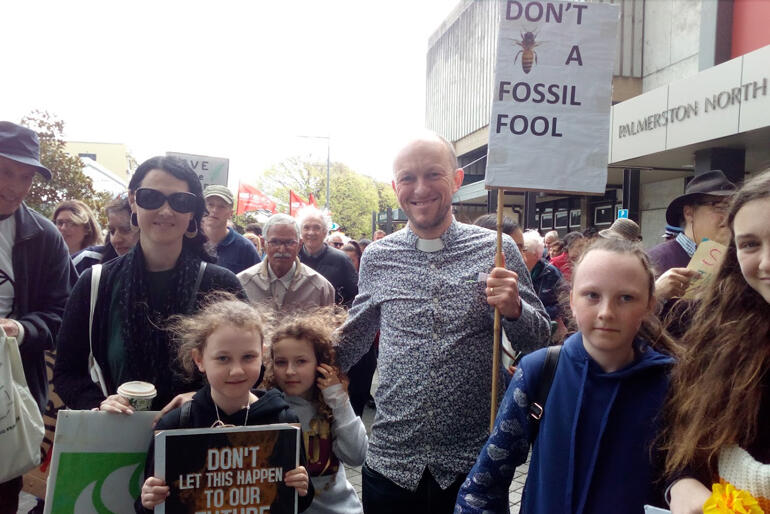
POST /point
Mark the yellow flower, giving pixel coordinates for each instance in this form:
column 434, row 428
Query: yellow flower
column 729, row 500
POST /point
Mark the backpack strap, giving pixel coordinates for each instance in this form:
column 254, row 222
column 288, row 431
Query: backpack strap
column 184, row 414
column 537, row 405
column 198, row 279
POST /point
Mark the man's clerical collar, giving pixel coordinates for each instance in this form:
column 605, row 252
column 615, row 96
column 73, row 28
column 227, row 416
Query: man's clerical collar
column 430, row 245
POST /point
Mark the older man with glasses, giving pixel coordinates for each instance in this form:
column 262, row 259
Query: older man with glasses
column 281, row 281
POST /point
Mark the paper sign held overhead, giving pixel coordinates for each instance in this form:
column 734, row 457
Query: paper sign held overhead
column 552, row 96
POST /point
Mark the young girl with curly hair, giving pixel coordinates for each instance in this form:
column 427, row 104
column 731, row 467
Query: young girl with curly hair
column 224, row 343
column 718, row 413
column 303, row 365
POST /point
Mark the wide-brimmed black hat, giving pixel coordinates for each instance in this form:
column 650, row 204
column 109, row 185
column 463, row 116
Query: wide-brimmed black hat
column 711, row 183
column 22, row 145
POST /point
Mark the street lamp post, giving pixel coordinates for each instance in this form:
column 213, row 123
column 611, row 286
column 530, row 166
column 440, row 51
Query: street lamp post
column 328, row 164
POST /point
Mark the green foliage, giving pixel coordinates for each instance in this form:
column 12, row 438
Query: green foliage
column 68, row 181
column 387, row 197
column 353, row 197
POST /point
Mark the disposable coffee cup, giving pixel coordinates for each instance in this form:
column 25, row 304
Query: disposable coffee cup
column 139, row 394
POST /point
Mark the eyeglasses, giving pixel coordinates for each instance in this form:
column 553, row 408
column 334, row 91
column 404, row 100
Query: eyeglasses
column 62, row 223
column 337, row 244
column 181, row 202
column 288, row 243
column 718, row 205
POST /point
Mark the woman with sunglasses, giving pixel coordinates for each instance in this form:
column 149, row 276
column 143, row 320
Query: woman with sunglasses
column 168, row 272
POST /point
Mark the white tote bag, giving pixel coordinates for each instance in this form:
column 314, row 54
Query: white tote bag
column 21, row 424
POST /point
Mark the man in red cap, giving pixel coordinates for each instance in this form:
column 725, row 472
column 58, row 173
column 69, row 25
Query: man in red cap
column 36, row 273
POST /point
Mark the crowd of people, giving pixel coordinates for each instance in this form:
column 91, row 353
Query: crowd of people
column 631, row 379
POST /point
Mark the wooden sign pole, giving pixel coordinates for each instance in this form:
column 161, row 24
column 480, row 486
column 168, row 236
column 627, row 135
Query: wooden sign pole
column 497, row 326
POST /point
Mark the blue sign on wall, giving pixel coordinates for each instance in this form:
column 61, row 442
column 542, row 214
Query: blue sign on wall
column 622, row 213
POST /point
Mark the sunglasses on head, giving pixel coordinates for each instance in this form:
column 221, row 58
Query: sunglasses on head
column 147, row 198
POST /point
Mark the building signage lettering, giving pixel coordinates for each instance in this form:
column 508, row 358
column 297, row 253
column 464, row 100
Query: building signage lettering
column 679, row 113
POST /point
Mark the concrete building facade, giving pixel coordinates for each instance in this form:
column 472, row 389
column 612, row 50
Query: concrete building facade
column 661, row 44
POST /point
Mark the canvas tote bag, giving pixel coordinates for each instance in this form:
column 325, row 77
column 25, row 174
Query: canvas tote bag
column 21, row 424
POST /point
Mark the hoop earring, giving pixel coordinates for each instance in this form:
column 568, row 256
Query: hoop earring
column 192, row 229
column 134, row 220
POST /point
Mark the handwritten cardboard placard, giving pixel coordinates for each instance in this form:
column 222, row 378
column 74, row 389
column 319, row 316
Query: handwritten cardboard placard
column 706, row 260
column 228, row 470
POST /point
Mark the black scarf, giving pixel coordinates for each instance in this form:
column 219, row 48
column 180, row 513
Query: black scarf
column 149, row 351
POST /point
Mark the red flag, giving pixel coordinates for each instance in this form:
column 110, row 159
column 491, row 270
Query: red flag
column 296, row 202
column 252, row 199
column 311, row 200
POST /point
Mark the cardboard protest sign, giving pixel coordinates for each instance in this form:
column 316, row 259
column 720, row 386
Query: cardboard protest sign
column 550, row 121
column 706, row 260
column 98, row 462
column 228, row 470
column 210, row 170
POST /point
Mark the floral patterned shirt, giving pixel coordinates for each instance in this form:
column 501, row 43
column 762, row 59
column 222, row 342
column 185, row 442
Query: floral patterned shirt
column 436, row 334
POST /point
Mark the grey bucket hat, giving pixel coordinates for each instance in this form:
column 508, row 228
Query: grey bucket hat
column 22, row 145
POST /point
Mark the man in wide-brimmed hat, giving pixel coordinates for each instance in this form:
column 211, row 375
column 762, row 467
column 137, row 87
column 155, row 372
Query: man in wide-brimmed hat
column 701, row 212
column 36, row 273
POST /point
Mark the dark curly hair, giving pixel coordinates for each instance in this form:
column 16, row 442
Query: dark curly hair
column 318, row 327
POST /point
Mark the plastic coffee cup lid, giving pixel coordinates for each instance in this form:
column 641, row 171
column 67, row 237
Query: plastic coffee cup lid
column 137, row 389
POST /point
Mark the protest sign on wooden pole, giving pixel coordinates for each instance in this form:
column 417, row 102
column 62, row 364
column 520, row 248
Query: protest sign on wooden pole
column 550, row 117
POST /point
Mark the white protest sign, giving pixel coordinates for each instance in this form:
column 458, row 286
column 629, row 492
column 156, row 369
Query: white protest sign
column 211, row 170
column 98, row 461
column 552, row 96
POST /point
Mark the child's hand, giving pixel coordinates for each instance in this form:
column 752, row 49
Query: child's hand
column 328, row 377
column 296, row 478
column 155, row 491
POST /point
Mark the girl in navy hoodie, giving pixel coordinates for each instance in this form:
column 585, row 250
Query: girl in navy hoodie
column 594, row 451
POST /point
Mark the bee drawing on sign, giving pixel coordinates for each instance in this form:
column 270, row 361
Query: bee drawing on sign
column 527, row 52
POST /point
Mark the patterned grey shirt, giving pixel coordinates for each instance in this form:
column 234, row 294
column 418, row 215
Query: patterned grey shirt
column 435, row 348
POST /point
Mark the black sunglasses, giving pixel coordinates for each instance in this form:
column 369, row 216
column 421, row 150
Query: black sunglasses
column 147, row 198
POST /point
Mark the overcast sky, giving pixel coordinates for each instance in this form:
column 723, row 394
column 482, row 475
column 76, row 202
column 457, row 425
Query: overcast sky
column 228, row 79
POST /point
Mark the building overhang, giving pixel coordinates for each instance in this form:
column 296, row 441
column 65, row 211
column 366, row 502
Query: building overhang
column 726, row 106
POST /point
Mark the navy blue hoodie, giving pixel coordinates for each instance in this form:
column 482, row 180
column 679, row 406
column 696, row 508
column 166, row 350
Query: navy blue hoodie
column 592, row 454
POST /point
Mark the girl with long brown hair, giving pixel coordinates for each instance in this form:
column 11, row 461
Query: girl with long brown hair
column 718, row 412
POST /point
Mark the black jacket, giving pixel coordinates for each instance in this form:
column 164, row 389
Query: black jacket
column 87, row 257
column 547, row 281
column 71, row 377
column 337, row 268
column 271, row 408
column 43, row 279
